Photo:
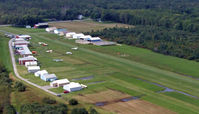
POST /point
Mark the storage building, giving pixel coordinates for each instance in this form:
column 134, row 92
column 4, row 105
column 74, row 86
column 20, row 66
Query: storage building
column 23, row 60
column 25, row 51
column 21, row 43
column 33, row 63
column 41, row 25
column 58, row 31
column 86, row 37
column 25, row 37
column 33, row 69
column 59, row 83
column 41, row 73
column 70, row 34
column 49, row 77
column 72, row 87
column 94, row 39
column 50, row 29
column 77, row 36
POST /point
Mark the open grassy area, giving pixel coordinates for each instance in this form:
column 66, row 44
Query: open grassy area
column 118, row 72
column 86, row 26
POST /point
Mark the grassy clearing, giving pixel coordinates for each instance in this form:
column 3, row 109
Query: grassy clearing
column 118, row 72
column 5, row 55
column 86, row 26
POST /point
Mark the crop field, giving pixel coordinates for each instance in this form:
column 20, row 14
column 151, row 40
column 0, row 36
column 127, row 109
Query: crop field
column 120, row 68
column 86, row 26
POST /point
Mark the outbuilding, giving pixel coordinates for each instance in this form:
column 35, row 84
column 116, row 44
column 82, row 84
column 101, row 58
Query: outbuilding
column 94, row 39
column 58, row 31
column 21, row 43
column 77, row 36
column 86, row 37
column 70, row 34
column 50, row 29
column 41, row 73
column 25, row 37
column 59, row 83
column 41, row 25
column 25, row 51
column 33, row 69
column 23, row 60
column 49, row 77
column 72, row 87
column 33, row 63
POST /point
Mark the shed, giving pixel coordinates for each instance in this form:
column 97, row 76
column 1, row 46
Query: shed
column 59, row 83
column 41, row 73
column 94, row 39
column 50, row 29
column 72, row 87
column 57, row 31
column 25, row 51
column 77, row 36
column 70, row 34
column 25, row 37
column 86, row 37
column 26, row 59
column 33, row 63
column 33, row 69
column 41, row 25
column 49, row 77
column 21, row 43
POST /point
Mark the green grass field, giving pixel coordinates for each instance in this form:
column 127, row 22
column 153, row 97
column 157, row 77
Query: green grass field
column 116, row 70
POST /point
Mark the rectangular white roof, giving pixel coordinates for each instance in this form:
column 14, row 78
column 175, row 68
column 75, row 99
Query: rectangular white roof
column 33, row 67
column 73, row 85
column 28, row 58
column 50, row 76
column 26, row 51
column 61, row 81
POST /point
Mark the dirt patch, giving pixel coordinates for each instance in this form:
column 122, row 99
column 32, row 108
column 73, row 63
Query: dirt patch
column 104, row 96
column 86, row 26
column 115, row 101
column 136, row 107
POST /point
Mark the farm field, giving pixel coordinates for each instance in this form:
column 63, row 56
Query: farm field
column 123, row 72
column 86, row 26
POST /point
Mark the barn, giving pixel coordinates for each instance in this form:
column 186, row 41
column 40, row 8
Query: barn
column 23, row 60
column 72, row 87
column 33, row 69
column 49, row 77
column 59, row 83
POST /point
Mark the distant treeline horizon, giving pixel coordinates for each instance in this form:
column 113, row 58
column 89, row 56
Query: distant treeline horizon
column 164, row 26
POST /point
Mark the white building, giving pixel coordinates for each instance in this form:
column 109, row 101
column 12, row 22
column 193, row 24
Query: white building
column 77, row 36
column 41, row 73
column 70, row 34
column 33, row 69
column 72, row 87
column 59, row 83
column 94, row 39
column 33, row 63
column 86, row 37
column 50, row 29
column 26, row 37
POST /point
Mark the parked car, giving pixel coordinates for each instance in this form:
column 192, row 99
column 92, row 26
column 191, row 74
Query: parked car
column 66, row 92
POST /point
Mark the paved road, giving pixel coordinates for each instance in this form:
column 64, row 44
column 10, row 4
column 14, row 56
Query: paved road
column 17, row 74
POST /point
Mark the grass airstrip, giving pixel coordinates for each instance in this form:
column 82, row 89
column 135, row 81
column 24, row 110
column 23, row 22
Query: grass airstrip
column 117, row 68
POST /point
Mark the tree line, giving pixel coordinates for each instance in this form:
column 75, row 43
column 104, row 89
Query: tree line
column 166, row 41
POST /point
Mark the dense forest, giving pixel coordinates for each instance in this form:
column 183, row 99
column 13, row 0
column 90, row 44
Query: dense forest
column 166, row 41
column 164, row 26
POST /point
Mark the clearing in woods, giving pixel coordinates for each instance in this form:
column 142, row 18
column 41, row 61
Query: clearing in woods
column 86, row 26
